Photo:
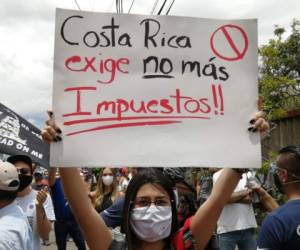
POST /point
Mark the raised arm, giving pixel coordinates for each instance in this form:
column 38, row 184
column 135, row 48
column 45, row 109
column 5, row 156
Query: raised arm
column 97, row 235
column 52, row 176
column 42, row 221
column 205, row 220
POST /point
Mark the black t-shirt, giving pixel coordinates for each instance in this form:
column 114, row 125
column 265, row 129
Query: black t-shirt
column 106, row 202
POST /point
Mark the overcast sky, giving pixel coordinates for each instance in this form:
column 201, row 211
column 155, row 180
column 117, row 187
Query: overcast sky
column 27, row 39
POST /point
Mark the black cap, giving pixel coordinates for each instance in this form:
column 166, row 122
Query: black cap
column 23, row 158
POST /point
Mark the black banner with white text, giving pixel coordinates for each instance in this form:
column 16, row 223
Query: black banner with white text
column 18, row 136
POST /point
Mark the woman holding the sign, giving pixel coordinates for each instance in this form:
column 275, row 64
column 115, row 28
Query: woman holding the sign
column 150, row 217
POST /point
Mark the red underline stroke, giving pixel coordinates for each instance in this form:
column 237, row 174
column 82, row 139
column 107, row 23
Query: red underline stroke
column 69, row 123
column 124, row 125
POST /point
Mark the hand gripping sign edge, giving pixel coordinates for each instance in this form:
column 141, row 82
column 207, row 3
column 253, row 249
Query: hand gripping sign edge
column 239, row 54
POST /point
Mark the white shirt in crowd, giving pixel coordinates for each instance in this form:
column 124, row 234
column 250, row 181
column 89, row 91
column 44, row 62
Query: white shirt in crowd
column 15, row 231
column 27, row 203
column 236, row 216
column 123, row 185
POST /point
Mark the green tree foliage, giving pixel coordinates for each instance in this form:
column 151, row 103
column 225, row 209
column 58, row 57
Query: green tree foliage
column 279, row 80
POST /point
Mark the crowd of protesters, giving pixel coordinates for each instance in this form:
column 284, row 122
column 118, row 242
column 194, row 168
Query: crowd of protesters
column 146, row 208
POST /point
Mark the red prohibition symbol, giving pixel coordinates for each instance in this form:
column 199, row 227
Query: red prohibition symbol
column 237, row 53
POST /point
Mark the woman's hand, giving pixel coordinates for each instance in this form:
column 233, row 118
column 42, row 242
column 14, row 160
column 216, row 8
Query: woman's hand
column 51, row 132
column 259, row 124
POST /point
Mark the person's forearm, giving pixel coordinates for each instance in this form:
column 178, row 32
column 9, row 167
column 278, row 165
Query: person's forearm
column 75, row 191
column 95, row 231
column 237, row 196
column 208, row 214
column 246, row 200
column 43, row 224
column 267, row 200
column 52, row 176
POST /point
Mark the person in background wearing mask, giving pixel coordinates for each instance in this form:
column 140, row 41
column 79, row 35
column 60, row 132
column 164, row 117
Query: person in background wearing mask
column 106, row 190
column 112, row 216
column 15, row 231
column 281, row 228
column 37, row 205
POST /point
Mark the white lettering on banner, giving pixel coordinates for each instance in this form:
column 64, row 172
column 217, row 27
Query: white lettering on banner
column 298, row 230
column 36, row 154
column 6, row 141
column 23, row 148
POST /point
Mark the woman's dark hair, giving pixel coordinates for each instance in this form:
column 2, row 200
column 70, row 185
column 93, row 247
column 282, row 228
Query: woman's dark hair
column 146, row 176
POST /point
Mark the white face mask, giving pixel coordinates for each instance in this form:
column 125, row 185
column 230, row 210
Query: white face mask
column 107, row 180
column 152, row 223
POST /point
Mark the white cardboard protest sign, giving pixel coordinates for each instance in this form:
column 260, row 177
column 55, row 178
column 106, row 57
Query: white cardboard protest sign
column 134, row 90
